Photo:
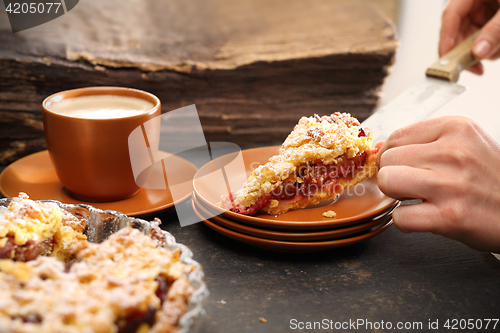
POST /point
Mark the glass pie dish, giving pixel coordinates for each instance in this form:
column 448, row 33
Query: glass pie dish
column 100, row 225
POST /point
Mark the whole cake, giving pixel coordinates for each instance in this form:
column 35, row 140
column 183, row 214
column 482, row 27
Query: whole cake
column 129, row 283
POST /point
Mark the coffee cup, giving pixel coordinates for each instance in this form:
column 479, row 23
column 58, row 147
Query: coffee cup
column 87, row 132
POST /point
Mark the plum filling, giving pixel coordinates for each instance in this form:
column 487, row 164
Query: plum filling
column 308, row 180
column 32, row 318
column 161, row 291
column 29, row 251
column 132, row 322
column 135, row 320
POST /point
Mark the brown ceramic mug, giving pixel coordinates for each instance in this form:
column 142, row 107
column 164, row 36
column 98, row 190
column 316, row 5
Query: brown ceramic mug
column 91, row 155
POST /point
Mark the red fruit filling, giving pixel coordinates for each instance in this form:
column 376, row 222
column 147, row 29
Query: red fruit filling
column 161, row 291
column 30, row 318
column 29, row 251
column 132, row 322
column 309, row 179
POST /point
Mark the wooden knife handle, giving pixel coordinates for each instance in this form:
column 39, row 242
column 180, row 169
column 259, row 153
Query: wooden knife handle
column 449, row 66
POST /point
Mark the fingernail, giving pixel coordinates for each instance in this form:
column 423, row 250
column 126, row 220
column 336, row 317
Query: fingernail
column 382, row 178
column 482, row 49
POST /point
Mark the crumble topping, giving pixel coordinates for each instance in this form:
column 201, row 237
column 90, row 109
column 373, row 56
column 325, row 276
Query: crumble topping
column 25, row 219
column 337, row 132
column 28, row 228
column 329, row 213
column 127, row 280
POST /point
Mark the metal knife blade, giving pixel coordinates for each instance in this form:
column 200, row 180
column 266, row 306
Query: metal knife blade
column 414, row 104
column 425, row 97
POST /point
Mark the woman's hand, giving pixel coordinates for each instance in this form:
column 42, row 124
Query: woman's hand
column 453, row 165
column 461, row 18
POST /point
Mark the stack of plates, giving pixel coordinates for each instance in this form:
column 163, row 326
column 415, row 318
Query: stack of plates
column 362, row 213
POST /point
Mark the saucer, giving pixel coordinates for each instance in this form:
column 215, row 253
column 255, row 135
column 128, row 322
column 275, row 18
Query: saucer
column 35, row 175
column 362, row 203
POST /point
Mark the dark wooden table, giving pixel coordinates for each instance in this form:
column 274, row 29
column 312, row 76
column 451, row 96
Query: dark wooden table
column 393, row 277
column 413, row 279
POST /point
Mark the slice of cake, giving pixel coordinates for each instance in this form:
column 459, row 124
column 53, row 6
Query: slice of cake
column 29, row 229
column 318, row 160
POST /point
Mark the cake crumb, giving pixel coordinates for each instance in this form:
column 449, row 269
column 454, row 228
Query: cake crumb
column 262, row 320
column 329, row 213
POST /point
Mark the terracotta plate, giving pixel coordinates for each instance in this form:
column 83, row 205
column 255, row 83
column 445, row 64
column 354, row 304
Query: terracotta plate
column 296, row 226
column 285, row 235
column 284, row 246
column 35, row 175
column 359, row 204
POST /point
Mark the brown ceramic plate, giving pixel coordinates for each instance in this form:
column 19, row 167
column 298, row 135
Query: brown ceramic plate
column 296, row 226
column 284, row 246
column 361, row 203
column 35, row 175
column 284, row 235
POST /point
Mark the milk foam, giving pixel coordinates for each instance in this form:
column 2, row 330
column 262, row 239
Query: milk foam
column 101, row 106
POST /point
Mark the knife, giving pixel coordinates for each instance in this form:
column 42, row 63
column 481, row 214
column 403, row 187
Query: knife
column 426, row 96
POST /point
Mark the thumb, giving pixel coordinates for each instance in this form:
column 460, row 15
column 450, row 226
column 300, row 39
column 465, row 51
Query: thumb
column 488, row 41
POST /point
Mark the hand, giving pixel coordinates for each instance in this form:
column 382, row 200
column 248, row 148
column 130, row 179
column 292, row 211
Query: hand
column 461, row 18
column 453, row 165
